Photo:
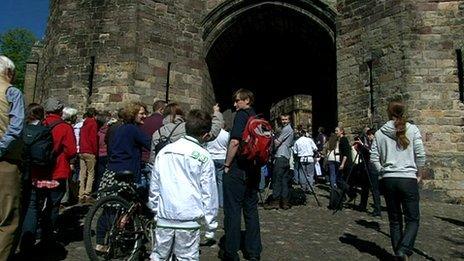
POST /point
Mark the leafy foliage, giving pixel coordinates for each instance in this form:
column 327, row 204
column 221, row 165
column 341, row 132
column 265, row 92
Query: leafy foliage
column 16, row 44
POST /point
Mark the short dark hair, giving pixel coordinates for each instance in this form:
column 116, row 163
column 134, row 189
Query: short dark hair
column 159, row 104
column 34, row 111
column 370, row 132
column 91, row 112
column 197, row 123
column 243, row 94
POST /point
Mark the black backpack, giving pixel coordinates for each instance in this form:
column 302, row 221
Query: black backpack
column 163, row 140
column 297, row 197
column 38, row 144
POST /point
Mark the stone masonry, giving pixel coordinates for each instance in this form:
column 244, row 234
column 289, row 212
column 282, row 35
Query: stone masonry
column 411, row 45
column 102, row 53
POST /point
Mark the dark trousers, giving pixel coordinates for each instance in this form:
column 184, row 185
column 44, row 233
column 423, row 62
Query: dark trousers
column 281, row 177
column 402, row 198
column 102, row 165
column 240, row 188
column 371, row 182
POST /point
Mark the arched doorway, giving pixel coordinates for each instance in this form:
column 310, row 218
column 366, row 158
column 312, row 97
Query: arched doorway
column 277, row 50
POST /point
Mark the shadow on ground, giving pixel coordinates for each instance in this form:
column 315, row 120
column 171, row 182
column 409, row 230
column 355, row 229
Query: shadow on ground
column 69, row 229
column 452, row 221
column 365, row 246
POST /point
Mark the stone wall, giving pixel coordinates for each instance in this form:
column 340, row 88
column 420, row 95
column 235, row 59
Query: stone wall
column 79, row 30
column 433, row 91
column 32, row 67
column 411, row 46
column 170, row 31
column 211, row 4
column 369, row 32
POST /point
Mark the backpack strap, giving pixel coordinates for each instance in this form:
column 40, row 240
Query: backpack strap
column 175, row 127
column 55, row 123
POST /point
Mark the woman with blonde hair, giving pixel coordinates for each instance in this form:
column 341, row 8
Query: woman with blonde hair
column 398, row 155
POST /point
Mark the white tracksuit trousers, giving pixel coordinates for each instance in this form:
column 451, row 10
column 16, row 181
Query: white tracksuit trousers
column 184, row 243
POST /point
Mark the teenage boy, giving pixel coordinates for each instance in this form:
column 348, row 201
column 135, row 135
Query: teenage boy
column 183, row 192
column 240, row 187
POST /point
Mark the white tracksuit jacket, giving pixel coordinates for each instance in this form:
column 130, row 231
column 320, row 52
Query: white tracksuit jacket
column 183, row 189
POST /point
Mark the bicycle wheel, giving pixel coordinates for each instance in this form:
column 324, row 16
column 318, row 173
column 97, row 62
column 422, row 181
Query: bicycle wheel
column 111, row 231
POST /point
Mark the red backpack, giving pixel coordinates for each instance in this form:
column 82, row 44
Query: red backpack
column 257, row 140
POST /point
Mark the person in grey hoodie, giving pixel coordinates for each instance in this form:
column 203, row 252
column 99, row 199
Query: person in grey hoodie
column 174, row 125
column 398, row 155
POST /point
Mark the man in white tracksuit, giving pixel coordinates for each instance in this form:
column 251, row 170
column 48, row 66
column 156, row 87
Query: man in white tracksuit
column 183, row 192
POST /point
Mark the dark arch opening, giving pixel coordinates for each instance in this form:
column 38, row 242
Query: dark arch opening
column 276, row 52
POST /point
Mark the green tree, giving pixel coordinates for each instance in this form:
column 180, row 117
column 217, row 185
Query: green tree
column 17, row 44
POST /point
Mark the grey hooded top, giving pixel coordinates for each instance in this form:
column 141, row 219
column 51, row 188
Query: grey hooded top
column 392, row 161
column 179, row 131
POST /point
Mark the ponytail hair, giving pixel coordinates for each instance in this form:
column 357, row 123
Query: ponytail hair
column 395, row 112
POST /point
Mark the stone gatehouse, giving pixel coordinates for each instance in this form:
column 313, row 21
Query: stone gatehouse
column 350, row 56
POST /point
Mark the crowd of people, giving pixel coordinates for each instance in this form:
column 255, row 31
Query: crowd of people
column 189, row 165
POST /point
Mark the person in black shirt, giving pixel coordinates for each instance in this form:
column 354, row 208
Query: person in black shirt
column 240, row 185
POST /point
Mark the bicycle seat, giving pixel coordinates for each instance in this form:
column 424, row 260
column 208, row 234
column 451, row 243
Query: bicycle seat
column 124, row 176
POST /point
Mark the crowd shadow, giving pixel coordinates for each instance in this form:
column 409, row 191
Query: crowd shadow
column 70, row 224
column 69, row 229
column 452, row 221
column 365, row 246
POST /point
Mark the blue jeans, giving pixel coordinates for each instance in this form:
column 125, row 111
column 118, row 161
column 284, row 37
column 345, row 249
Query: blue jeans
column 38, row 197
column 219, row 169
column 334, row 172
column 29, row 228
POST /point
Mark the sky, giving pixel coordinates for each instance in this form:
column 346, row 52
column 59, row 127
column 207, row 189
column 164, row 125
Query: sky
column 29, row 14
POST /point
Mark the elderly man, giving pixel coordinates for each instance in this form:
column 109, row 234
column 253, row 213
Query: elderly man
column 11, row 126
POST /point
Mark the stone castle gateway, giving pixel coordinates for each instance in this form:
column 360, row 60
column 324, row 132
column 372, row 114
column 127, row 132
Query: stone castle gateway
column 350, row 56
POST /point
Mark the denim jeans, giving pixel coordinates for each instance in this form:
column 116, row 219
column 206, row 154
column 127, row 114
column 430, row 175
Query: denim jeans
column 281, row 178
column 52, row 198
column 29, row 227
column 334, row 173
column 219, row 169
column 402, row 198
column 240, row 186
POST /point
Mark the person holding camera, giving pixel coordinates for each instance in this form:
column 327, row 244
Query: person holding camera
column 370, row 177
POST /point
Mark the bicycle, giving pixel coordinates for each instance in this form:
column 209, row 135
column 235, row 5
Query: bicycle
column 119, row 226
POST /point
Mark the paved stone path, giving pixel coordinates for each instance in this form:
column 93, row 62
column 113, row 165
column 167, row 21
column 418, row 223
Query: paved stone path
column 314, row 233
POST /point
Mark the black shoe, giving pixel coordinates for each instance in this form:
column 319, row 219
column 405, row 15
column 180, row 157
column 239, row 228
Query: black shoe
column 284, row 204
column 274, row 204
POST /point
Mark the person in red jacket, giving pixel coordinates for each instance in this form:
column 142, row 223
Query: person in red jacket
column 64, row 147
column 88, row 148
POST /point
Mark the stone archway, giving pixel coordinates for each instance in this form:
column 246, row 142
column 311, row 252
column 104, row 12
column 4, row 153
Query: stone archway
column 263, row 45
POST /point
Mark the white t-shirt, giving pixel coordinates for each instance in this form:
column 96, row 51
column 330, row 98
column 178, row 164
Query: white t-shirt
column 304, row 148
column 77, row 130
column 218, row 147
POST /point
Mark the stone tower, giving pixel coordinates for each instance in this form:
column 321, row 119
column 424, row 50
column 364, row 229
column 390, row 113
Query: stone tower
column 350, row 56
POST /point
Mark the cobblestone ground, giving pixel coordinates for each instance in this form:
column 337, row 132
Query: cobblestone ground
column 314, row 233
